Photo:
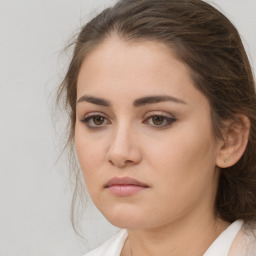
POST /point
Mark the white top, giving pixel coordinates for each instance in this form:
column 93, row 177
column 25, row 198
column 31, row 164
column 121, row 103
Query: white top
column 221, row 246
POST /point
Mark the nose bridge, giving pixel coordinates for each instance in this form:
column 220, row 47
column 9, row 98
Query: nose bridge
column 122, row 133
column 123, row 148
column 122, row 137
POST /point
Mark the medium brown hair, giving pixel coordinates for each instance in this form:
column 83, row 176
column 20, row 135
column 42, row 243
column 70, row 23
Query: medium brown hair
column 205, row 40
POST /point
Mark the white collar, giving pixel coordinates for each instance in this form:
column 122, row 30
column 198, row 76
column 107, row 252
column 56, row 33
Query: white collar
column 223, row 242
column 219, row 247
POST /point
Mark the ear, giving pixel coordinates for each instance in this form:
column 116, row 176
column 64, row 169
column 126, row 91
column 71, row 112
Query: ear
column 236, row 134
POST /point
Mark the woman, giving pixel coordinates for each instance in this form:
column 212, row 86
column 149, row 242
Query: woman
column 163, row 117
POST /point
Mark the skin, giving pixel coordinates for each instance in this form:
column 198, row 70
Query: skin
column 176, row 159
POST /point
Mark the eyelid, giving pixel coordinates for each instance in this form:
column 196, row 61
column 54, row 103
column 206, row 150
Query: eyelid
column 94, row 114
column 88, row 117
column 159, row 113
column 170, row 119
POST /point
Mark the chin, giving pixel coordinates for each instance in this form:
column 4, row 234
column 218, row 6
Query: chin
column 125, row 223
column 126, row 218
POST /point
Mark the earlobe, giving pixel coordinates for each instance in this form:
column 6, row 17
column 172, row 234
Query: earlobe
column 235, row 141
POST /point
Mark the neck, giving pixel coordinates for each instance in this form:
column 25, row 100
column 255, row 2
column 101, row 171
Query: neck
column 176, row 239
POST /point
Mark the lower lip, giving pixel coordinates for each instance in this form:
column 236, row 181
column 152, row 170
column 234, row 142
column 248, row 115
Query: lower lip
column 125, row 190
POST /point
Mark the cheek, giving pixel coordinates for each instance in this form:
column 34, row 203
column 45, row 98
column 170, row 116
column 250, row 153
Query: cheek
column 182, row 147
column 183, row 171
column 85, row 156
column 89, row 152
column 186, row 159
column 89, row 160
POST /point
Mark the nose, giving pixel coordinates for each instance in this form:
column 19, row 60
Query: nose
column 123, row 150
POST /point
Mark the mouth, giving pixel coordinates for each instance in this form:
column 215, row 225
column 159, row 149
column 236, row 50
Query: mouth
column 125, row 186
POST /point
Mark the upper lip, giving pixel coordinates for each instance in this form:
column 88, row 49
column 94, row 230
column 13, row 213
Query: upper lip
column 124, row 181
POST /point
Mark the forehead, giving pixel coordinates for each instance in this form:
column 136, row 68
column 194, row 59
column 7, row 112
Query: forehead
column 141, row 54
column 120, row 68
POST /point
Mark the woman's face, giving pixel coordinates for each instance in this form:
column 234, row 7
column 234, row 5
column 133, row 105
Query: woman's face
column 143, row 136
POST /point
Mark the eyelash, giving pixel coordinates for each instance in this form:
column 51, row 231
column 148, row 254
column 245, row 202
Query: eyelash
column 166, row 119
column 87, row 119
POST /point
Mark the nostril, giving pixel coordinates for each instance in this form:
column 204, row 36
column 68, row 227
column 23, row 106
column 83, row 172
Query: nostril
column 111, row 162
column 120, row 163
column 123, row 156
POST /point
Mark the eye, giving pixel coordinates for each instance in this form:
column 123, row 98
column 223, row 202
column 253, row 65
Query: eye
column 159, row 121
column 95, row 121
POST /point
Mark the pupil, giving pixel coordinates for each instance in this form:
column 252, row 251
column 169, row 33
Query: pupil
column 98, row 120
column 158, row 120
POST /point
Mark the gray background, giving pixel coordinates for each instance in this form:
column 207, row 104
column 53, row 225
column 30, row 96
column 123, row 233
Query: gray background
column 34, row 191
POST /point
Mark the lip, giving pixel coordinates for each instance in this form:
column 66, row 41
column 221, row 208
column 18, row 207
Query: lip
column 125, row 186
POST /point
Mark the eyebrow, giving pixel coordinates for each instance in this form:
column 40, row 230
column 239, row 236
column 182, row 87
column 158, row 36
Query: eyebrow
column 156, row 99
column 137, row 103
column 94, row 100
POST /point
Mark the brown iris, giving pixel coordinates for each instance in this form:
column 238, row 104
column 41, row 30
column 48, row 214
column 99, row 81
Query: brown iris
column 98, row 120
column 158, row 120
